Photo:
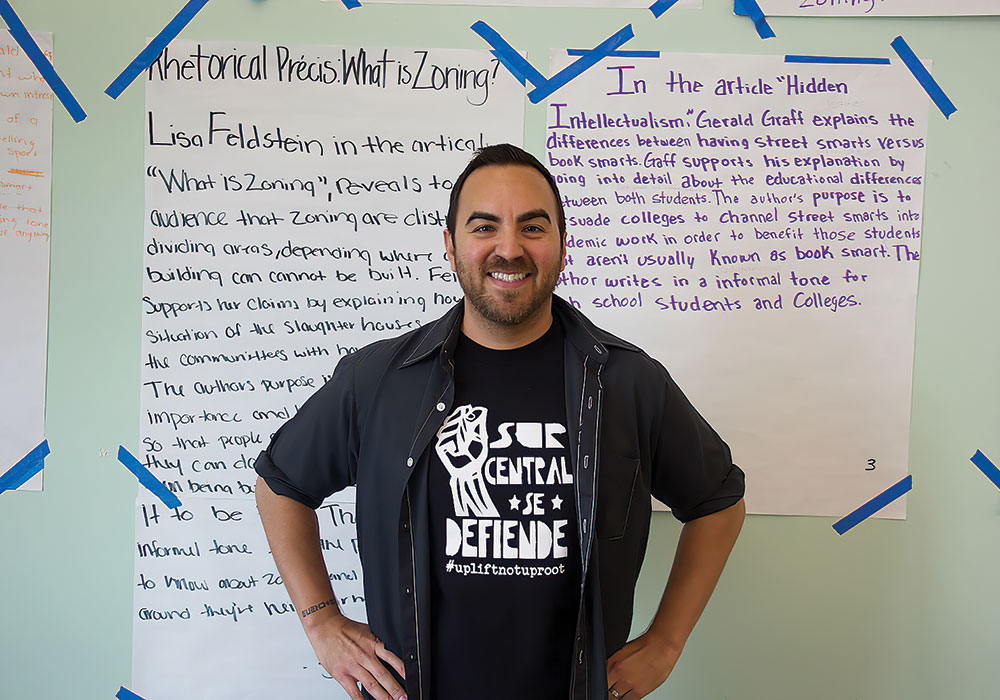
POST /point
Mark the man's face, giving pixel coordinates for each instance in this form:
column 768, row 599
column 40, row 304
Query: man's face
column 507, row 248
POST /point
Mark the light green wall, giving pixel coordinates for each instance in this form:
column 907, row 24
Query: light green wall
column 890, row 610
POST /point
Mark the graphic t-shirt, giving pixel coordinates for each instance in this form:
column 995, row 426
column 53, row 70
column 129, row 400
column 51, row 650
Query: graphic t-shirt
column 505, row 552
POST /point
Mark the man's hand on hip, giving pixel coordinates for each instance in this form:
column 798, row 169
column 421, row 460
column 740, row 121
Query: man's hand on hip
column 351, row 654
column 639, row 668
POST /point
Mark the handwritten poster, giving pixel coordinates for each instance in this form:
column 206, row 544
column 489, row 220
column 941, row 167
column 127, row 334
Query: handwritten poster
column 295, row 203
column 205, row 582
column 756, row 226
column 25, row 186
column 879, row 8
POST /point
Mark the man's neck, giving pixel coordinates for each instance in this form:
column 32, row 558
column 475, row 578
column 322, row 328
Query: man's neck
column 501, row 337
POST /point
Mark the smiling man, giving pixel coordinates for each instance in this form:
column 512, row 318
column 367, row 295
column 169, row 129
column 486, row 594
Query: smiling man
column 511, row 227
column 504, row 458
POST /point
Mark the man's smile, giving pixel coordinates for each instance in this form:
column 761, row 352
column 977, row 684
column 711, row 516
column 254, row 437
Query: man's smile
column 508, row 277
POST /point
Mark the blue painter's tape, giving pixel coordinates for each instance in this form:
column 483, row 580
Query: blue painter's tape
column 618, row 54
column 154, row 48
column 147, row 479
column 126, row 694
column 923, row 77
column 661, row 6
column 351, row 4
column 875, row 505
column 518, row 76
column 511, row 59
column 987, row 467
column 42, row 64
column 838, row 59
column 581, row 64
column 26, row 467
column 752, row 9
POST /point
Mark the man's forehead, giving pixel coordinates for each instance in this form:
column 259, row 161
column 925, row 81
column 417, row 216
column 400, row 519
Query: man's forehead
column 530, row 186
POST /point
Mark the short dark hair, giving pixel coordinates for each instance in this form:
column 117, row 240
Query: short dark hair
column 502, row 154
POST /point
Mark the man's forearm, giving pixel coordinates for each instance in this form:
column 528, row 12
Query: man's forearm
column 348, row 650
column 702, row 551
column 293, row 535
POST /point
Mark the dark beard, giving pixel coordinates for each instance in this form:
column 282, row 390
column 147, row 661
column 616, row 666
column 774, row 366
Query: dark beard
column 486, row 308
column 506, row 316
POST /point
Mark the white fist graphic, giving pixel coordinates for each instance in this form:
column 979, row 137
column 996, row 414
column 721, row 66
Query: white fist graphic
column 462, row 445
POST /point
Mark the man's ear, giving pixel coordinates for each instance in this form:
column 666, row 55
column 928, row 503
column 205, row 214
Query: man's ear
column 449, row 248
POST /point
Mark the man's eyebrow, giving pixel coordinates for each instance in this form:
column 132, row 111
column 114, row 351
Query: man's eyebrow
column 483, row 215
column 534, row 214
column 526, row 216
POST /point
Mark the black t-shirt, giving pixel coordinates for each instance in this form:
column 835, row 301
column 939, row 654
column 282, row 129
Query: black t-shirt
column 505, row 552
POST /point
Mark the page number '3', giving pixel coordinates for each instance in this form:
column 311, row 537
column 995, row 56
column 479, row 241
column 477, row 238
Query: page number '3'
column 871, row 466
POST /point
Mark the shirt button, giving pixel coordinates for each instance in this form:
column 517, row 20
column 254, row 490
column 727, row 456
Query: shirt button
column 412, row 657
column 409, row 461
column 441, row 407
column 406, row 526
column 406, row 591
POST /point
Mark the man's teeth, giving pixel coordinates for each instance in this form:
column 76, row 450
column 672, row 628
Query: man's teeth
column 509, row 277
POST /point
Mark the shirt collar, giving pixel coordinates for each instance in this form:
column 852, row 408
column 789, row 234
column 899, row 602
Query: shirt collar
column 442, row 332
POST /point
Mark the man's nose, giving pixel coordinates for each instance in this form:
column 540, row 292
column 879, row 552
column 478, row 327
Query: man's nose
column 508, row 245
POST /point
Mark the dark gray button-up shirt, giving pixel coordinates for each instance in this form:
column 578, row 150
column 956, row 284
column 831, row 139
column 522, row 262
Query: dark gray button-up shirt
column 632, row 434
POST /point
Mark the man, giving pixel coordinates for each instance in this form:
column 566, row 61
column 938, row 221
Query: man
column 504, row 458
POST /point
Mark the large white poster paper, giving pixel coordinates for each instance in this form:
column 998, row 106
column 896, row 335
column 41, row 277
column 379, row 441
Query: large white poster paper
column 756, row 226
column 295, row 203
column 25, row 189
column 212, row 616
column 879, row 8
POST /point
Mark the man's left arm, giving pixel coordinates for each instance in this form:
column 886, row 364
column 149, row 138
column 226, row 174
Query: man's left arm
column 643, row 664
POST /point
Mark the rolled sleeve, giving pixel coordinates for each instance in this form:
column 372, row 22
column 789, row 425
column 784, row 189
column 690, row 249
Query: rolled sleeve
column 314, row 454
column 693, row 471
